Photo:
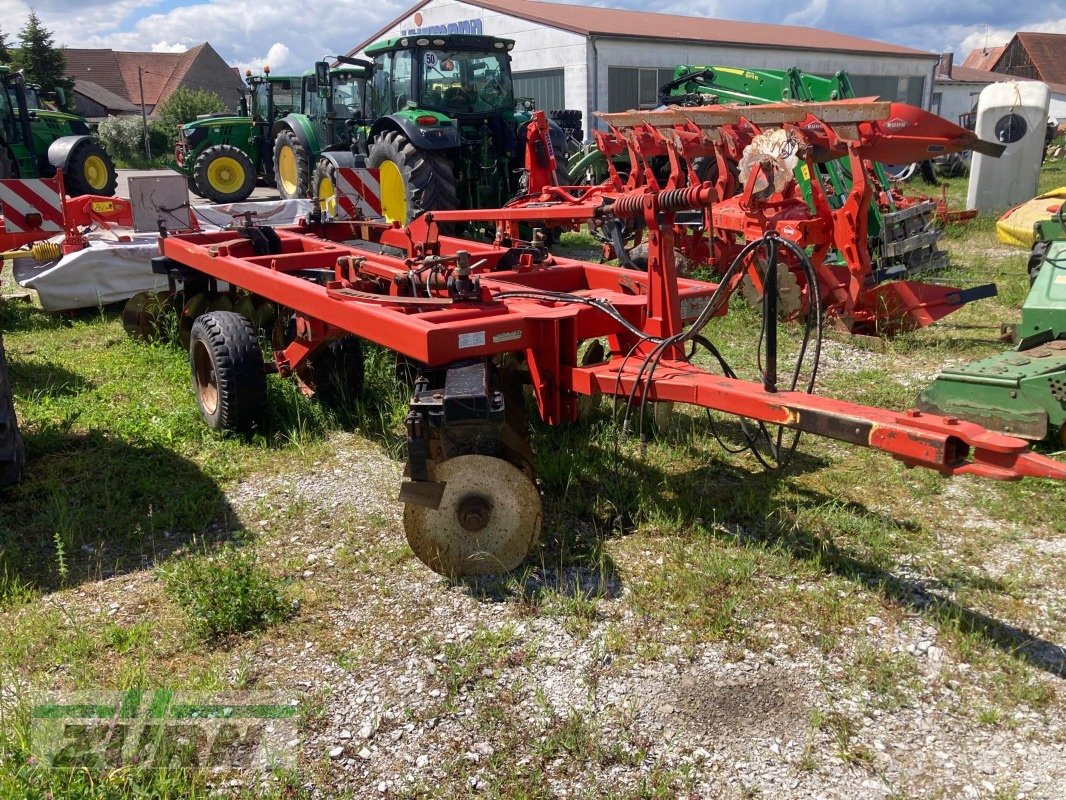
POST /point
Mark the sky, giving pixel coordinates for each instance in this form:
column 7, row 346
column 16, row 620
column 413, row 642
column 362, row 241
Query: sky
column 290, row 36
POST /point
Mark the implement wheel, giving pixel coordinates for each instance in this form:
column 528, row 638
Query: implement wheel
column 337, row 371
column 291, row 166
column 488, row 518
column 224, row 174
column 411, row 180
column 227, row 371
column 90, row 171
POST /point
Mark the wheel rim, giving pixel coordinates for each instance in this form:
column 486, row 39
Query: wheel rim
column 225, row 175
column 393, row 193
column 287, row 169
column 203, row 370
column 327, row 202
column 95, row 172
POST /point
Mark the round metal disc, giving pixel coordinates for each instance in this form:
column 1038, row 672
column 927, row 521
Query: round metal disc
column 489, row 517
column 789, row 293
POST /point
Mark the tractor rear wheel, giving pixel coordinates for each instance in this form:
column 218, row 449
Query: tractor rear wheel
column 324, row 186
column 224, row 174
column 12, row 452
column 411, row 180
column 291, row 166
column 228, row 376
column 90, row 171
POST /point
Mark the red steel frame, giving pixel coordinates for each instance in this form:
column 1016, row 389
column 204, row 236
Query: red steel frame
column 373, row 296
column 859, row 130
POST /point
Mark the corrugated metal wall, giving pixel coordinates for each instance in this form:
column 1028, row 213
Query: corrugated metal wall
column 545, row 86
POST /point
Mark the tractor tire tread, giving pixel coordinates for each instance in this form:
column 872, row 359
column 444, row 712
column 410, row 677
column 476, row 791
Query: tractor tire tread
column 203, row 186
column 73, row 177
column 303, row 164
column 429, row 175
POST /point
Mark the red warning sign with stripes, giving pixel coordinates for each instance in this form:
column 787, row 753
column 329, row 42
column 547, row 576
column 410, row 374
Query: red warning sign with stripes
column 358, row 193
column 31, row 204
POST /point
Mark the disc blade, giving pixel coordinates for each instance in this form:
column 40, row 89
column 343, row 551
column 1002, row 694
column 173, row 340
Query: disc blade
column 488, row 518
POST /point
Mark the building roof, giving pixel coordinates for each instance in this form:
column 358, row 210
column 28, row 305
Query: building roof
column 624, row 24
column 105, row 97
column 967, row 75
column 1047, row 51
column 983, row 57
column 161, row 73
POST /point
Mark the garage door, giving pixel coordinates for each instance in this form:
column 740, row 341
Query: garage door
column 545, row 86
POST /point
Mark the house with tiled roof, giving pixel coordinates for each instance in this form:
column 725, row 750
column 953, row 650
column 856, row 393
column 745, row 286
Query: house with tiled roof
column 983, row 57
column 139, row 78
column 1029, row 55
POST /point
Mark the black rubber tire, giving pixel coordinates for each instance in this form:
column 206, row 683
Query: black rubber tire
column 337, row 372
column 228, row 344
column 429, row 180
column 203, row 185
column 323, row 169
column 925, row 169
column 12, row 450
column 74, row 180
column 1036, row 260
column 288, row 138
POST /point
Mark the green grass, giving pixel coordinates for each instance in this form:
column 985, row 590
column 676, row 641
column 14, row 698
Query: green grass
column 225, row 593
column 652, row 551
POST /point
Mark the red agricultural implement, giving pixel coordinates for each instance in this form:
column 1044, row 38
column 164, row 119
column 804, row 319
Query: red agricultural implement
column 750, row 155
column 33, row 210
column 477, row 321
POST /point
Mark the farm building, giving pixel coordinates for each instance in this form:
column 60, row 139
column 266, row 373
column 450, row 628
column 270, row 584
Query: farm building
column 114, row 82
column 602, row 59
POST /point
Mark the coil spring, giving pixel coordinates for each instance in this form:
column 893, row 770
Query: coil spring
column 45, row 251
column 632, row 205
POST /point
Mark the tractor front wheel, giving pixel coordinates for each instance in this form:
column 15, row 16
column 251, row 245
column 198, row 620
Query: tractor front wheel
column 411, row 180
column 324, row 186
column 224, row 174
column 228, row 376
column 7, row 164
column 90, row 171
column 291, row 166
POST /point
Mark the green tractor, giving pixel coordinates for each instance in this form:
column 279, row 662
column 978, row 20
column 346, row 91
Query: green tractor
column 331, row 118
column 443, row 128
column 902, row 243
column 223, row 155
column 35, row 142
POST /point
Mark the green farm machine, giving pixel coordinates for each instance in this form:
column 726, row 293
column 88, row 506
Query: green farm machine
column 442, row 126
column 1021, row 391
column 223, row 155
column 331, row 117
column 35, row 142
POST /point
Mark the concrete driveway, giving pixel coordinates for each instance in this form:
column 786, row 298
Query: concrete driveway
column 123, row 190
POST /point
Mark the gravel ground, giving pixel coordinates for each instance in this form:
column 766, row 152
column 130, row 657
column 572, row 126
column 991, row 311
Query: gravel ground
column 422, row 688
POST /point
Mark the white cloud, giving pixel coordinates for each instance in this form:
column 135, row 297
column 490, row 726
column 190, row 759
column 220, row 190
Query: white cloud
column 167, row 47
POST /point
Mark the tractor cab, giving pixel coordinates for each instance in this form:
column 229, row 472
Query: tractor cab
column 272, row 97
column 334, row 100
column 457, row 75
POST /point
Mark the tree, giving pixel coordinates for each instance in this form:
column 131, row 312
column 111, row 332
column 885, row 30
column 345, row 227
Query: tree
column 183, row 106
column 40, row 60
column 5, row 48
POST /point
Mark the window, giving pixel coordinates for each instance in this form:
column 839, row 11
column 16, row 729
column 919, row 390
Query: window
column 938, row 99
column 635, row 87
column 466, row 82
column 389, row 96
column 347, row 95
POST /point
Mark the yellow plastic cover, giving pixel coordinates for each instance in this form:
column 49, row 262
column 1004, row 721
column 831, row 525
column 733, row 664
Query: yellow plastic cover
column 1016, row 226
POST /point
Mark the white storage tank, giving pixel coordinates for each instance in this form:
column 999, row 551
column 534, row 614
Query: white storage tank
column 1013, row 113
